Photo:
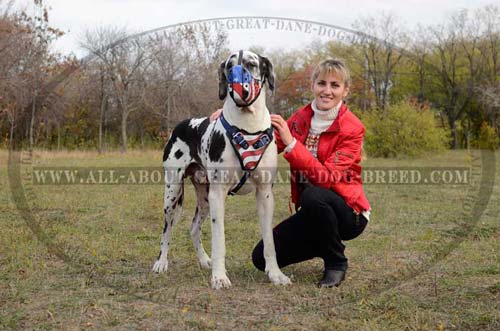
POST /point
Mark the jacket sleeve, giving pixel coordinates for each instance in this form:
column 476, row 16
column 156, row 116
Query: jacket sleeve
column 335, row 167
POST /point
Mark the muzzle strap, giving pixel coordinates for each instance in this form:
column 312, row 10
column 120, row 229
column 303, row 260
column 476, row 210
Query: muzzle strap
column 240, row 57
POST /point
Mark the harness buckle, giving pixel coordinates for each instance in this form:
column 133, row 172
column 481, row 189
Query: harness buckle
column 263, row 141
column 239, row 139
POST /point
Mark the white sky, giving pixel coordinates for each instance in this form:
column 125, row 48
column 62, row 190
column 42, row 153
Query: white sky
column 75, row 16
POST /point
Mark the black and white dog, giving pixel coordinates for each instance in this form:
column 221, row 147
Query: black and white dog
column 234, row 153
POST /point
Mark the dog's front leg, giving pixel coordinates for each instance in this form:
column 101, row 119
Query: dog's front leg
column 265, row 209
column 216, row 199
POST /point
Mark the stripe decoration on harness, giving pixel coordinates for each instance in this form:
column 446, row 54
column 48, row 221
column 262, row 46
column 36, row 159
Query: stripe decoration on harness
column 249, row 147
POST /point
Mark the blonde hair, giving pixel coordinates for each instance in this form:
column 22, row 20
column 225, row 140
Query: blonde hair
column 332, row 66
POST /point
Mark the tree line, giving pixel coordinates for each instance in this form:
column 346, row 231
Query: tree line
column 130, row 92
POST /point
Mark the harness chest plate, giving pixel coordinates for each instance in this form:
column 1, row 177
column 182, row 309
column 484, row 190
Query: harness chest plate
column 249, row 147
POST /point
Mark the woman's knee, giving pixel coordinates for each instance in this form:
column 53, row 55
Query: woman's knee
column 312, row 197
column 316, row 199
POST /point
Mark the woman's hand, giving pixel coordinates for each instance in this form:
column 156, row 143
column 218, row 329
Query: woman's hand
column 280, row 124
column 215, row 115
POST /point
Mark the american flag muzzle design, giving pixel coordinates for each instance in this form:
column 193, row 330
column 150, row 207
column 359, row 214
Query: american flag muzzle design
column 242, row 86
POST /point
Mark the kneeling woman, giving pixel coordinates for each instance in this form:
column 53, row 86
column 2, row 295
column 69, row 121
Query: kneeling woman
column 322, row 142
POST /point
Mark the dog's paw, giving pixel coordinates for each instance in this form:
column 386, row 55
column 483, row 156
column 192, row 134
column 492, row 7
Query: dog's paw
column 278, row 278
column 220, row 282
column 206, row 262
column 160, row 266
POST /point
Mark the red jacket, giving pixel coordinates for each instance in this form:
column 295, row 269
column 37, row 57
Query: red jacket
column 339, row 154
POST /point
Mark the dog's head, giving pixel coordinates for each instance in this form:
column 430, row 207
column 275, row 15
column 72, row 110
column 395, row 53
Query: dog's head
column 243, row 75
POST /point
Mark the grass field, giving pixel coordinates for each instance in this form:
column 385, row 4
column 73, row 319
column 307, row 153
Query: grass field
column 83, row 261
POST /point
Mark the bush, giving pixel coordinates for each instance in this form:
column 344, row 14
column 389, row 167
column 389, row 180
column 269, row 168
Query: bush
column 403, row 130
column 488, row 139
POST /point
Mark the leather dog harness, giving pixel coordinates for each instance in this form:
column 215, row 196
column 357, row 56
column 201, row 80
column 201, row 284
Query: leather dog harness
column 249, row 147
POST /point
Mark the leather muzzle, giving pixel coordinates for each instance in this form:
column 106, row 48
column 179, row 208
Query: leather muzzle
column 243, row 88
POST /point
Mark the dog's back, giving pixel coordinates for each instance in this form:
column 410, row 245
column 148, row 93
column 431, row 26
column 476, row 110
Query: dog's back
column 185, row 141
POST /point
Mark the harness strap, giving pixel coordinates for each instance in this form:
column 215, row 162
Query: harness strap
column 265, row 139
column 238, row 138
column 242, row 182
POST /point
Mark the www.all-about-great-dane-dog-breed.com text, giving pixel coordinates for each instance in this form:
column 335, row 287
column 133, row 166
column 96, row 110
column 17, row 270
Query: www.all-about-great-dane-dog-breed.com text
column 223, row 157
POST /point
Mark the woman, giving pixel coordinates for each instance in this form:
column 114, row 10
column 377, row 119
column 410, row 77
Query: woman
column 322, row 141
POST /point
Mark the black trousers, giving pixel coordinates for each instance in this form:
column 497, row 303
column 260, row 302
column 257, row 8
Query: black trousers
column 316, row 230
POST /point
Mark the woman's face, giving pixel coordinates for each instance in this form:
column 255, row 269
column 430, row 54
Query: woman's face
column 329, row 90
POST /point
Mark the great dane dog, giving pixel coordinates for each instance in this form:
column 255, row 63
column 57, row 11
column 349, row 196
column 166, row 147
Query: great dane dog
column 234, row 153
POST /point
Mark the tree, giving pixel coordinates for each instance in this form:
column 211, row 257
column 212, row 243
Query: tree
column 455, row 58
column 489, row 46
column 125, row 62
column 183, row 78
column 25, row 62
column 382, row 53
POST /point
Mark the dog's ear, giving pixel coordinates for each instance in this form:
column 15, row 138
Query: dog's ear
column 267, row 71
column 222, row 81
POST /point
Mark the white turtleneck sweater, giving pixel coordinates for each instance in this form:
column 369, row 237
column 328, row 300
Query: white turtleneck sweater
column 320, row 122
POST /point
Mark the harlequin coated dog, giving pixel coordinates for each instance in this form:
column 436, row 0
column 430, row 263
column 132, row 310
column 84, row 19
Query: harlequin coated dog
column 234, row 154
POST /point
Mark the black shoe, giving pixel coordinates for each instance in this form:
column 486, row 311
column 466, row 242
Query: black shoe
column 332, row 278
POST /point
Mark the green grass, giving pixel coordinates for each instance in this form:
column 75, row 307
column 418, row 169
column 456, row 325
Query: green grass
column 418, row 266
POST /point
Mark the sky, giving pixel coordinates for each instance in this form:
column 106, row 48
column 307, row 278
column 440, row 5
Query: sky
column 74, row 17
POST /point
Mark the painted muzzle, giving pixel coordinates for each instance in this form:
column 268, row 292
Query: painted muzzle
column 243, row 88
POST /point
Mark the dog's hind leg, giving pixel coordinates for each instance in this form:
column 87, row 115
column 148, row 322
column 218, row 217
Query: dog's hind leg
column 174, row 194
column 201, row 213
